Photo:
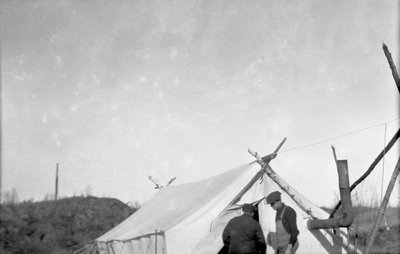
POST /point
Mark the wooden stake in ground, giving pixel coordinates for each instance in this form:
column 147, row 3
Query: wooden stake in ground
column 382, row 209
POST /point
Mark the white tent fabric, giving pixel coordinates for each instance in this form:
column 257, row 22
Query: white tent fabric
column 190, row 218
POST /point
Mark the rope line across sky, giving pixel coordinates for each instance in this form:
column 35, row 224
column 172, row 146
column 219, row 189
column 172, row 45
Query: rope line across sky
column 338, row 137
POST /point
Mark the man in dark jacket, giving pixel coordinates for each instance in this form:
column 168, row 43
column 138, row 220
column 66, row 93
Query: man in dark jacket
column 286, row 225
column 243, row 234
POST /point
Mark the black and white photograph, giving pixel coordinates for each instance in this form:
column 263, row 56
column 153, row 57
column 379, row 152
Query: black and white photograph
column 199, row 127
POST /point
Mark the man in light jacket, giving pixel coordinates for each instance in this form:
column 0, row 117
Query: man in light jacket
column 285, row 223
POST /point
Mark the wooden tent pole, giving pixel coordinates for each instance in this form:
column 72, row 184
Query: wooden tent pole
column 392, row 66
column 257, row 176
column 382, row 209
column 265, row 168
column 369, row 170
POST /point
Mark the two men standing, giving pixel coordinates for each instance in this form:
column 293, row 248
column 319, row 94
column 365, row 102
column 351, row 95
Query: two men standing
column 243, row 234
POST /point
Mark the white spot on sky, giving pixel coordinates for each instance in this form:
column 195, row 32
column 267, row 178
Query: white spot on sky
column 59, row 60
column 188, row 161
column 176, row 82
column 173, row 53
column 127, row 87
column 114, row 107
column 96, row 79
column 137, row 145
column 20, row 78
column 332, row 86
column 44, row 119
column 55, row 137
column 52, row 38
column 142, row 79
column 74, row 108
column 165, row 166
column 22, row 59
column 160, row 94
column 56, row 113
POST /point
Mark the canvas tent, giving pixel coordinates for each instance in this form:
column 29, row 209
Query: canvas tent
column 190, row 218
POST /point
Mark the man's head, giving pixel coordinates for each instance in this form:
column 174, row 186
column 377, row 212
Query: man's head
column 274, row 199
column 248, row 208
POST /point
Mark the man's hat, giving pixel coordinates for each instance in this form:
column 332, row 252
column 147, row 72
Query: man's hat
column 248, row 208
column 273, row 197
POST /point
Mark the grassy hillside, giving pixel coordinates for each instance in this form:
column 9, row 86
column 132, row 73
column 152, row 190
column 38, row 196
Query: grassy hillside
column 388, row 237
column 60, row 226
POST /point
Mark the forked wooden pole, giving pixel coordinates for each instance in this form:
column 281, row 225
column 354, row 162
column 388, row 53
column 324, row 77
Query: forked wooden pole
column 259, row 174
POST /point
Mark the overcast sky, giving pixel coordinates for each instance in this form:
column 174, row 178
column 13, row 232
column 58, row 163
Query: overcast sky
column 115, row 91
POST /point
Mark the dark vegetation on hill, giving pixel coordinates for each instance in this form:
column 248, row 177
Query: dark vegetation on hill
column 65, row 225
column 60, row 226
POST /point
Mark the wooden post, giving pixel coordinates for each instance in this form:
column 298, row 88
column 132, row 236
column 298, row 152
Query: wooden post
column 369, row 170
column 381, row 210
column 392, row 66
column 347, row 218
column 56, row 193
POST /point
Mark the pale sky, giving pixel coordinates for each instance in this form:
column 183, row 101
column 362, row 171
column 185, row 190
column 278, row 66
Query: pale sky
column 115, row 91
